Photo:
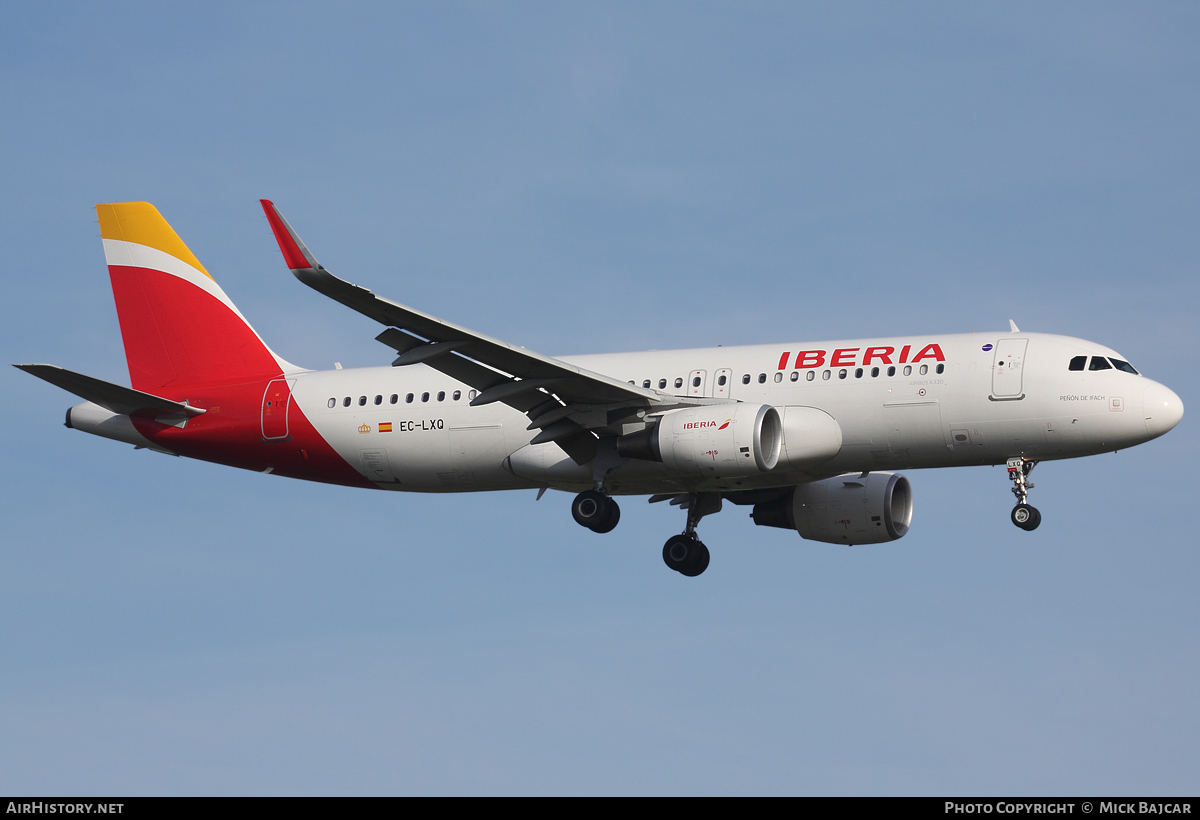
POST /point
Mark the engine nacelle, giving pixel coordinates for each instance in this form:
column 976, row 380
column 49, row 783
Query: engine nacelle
column 848, row 509
column 712, row 441
column 810, row 437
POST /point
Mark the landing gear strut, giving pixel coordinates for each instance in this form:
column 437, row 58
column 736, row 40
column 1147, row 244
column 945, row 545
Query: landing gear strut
column 685, row 553
column 1023, row 515
column 596, row 511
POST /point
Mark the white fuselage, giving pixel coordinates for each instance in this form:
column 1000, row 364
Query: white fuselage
column 985, row 399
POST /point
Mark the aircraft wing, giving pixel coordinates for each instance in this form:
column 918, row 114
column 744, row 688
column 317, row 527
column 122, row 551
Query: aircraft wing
column 122, row 400
column 520, row 378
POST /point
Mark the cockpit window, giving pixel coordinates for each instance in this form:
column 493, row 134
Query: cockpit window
column 1100, row 363
column 1124, row 367
column 1078, row 363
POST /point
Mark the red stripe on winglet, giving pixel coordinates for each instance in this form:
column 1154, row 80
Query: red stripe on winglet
column 291, row 251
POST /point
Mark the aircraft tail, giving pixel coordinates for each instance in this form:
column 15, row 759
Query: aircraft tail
column 178, row 326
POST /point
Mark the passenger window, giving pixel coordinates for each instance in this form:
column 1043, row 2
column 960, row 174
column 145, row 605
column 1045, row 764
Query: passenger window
column 457, row 395
column 346, row 402
column 1078, row 363
column 678, row 383
column 762, row 378
column 891, row 371
column 333, row 403
column 858, row 373
column 825, row 375
column 424, row 397
column 907, row 370
column 696, row 381
column 362, row 401
column 379, row 399
column 941, row 368
column 1100, row 363
column 924, row 369
column 1124, row 367
column 746, row 379
column 778, row 378
column 394, row 399
column 441, row 395
column 662, row 384
column 471, row 395
column 646, row 383
column 408, row 399
column 812, row 374
column 796, row 375
column 842, row 373
column 874, row 372
column 721, row 380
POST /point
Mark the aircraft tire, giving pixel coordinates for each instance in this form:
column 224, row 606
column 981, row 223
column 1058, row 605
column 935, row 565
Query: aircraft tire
column 1026, row 517
column 685, row 554
column 699, row 564
column 594, row 510
column 610, row 521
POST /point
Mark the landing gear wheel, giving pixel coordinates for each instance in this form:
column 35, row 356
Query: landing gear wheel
column 700, row 564
column 611, row 520
column 1026, row 517
column 686, row 555
column 596, row 511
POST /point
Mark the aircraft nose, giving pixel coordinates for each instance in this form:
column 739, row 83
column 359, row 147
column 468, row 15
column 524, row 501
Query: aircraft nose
column 1162, row 407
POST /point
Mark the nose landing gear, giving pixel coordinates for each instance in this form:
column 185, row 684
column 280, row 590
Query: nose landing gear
column 596, row 511
column 1023, row 515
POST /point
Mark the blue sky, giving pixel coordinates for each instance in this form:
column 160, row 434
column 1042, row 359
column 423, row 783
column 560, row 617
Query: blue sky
column 582, row 178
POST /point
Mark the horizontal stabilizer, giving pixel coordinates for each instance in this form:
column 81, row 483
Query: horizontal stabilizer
column 122, row 400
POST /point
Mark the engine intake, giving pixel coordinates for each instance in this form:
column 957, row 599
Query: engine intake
column 713, row 441
column 849, row 509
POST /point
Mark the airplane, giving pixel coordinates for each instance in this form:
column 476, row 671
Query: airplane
column 809, row 435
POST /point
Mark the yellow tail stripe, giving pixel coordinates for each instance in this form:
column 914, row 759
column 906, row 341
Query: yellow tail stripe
column 141, row 223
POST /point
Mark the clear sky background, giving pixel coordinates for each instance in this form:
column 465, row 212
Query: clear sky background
column 584, row 177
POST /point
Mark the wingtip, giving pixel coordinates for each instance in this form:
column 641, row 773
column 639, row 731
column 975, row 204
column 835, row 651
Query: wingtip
column 293, row 250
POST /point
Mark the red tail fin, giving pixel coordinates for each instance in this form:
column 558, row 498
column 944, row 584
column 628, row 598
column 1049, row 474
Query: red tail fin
column 177, row 324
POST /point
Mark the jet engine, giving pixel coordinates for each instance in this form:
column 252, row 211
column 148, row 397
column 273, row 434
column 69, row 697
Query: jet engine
column 712, row 441
column 848, row 509
column 810, row 437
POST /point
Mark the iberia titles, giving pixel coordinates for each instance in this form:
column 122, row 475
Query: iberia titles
column 848, row 356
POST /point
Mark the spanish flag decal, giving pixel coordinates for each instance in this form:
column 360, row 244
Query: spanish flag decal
column 385, row 427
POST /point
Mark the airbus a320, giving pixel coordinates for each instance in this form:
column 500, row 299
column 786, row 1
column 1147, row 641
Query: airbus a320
column 807, row 434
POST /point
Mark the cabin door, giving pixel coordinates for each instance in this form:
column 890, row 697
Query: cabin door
column 276, row 400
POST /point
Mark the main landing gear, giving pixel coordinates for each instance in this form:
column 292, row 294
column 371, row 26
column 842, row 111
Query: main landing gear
column 1023, row 515
column 596, row 511
column 685, row 553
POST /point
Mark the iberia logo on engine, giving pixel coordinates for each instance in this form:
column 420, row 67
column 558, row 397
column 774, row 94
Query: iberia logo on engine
column 696, row 425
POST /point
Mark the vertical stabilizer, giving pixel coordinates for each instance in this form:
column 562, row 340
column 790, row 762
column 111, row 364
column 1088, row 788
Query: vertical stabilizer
column 178, row 326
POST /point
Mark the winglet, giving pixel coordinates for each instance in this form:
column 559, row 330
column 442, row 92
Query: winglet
column 295, row 253
column 1014, row 327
